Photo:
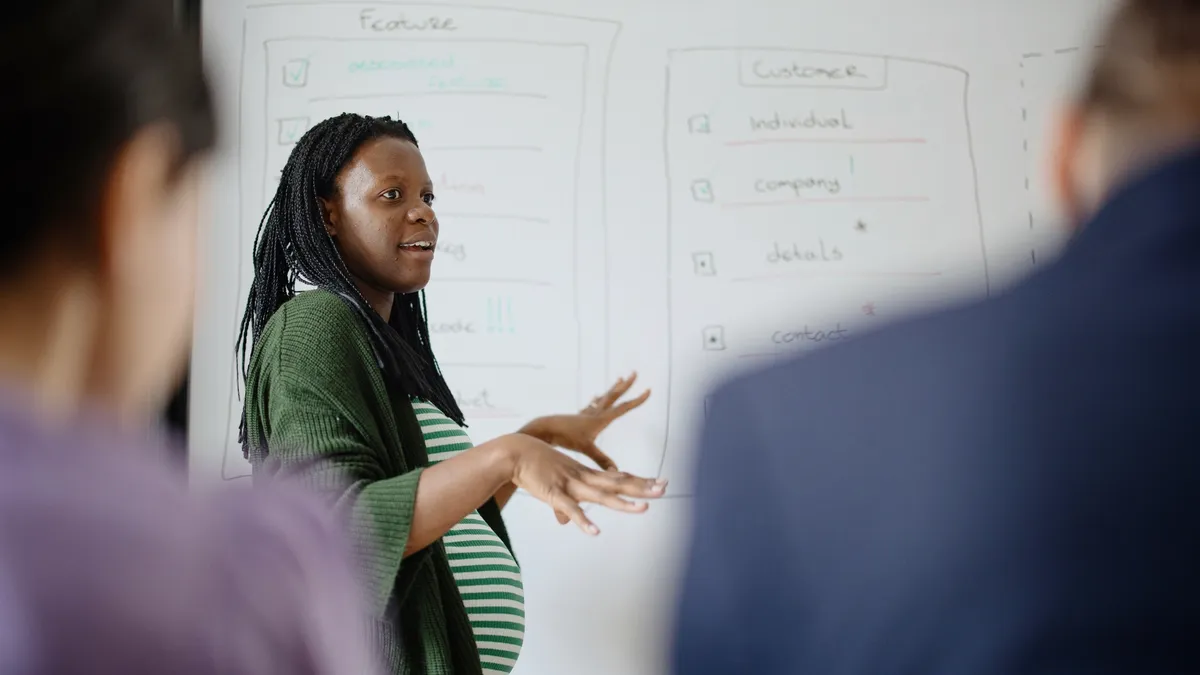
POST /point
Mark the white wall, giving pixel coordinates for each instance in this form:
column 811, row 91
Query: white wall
column 601, row 207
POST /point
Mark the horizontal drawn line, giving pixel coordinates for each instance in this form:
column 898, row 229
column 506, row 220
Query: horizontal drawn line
column 511, row 366
column 481, row 148
column 843, row 273
column 1066, row 50
column 762, row 48
column 490, row 415
column 1031, row 55
column 823, row 200
column 474, row 280
column 410, row 94
column 496, row 216
column 858, row 141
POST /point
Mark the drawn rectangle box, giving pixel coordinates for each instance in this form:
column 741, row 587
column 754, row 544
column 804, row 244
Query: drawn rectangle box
column 798, row 68
column 714, row 338
column 291, row 129
column 702, row 190
column 295, row 73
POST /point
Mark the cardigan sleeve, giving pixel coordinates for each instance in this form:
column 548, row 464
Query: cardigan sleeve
column 324, row 429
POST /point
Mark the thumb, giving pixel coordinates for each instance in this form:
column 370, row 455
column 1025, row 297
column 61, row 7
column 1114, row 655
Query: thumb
column 562, row 517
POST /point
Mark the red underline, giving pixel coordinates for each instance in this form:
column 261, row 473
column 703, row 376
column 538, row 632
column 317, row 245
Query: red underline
column 874, row 141
column 823, row 200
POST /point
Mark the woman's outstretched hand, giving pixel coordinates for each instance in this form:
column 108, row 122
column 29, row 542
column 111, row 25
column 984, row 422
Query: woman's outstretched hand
column 579, row 432
column 564, row 484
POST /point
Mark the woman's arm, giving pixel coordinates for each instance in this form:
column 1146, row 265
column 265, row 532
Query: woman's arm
column 504, row 494
column 449, row 491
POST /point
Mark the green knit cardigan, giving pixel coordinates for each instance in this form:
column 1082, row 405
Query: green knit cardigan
column 319, row 408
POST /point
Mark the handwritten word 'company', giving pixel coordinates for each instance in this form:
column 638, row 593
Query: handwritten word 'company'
column 797, row 186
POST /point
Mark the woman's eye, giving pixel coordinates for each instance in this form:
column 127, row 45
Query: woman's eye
column 392, row 195
column 428, row 198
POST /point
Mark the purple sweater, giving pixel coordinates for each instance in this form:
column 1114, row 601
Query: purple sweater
column 109, row 565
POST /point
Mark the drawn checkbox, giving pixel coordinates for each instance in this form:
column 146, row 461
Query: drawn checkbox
column 699, row 124
column 714, row 338
column 295, row 73
column 702, row 190
column 291, row 129
column 703, row 264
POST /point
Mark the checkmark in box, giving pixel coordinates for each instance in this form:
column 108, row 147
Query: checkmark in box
column 291, row 129
column 295, row 73
column 699, row 124
column 702, row 190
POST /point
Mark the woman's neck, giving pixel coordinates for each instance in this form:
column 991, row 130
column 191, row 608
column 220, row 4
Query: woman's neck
column 381, row 301
column 48, row 342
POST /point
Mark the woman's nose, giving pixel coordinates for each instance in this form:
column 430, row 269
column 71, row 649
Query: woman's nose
column 420, row 214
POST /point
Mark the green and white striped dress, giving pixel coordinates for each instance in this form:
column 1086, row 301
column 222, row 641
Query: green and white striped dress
column 487, row 574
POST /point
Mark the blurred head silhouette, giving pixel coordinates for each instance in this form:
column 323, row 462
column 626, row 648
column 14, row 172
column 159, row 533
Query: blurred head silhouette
column 106, row 115
column 1139, row 102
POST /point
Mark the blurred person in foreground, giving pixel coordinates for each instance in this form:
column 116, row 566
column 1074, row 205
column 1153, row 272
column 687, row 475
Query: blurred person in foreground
column 107, row 565
column 1004, row 487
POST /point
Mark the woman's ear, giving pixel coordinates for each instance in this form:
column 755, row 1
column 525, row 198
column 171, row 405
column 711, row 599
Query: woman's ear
column 329, row 216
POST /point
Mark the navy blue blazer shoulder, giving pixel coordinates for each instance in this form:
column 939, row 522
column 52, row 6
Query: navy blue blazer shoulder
column 1003, row 487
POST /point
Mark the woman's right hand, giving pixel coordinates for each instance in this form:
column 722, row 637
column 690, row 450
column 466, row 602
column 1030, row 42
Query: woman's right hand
column 564, row 484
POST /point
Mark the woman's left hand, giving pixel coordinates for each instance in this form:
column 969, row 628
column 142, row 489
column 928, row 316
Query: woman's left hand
column 578, row 432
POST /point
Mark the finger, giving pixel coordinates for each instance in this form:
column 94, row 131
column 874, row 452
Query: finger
column 562, row 517
column 614, row 413
column 628, row 485
column 563, row 503
column 590, row 493
column 602, row 460
column 616, row 392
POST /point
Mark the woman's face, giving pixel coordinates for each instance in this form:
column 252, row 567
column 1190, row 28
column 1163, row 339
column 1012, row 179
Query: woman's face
column 381, row 216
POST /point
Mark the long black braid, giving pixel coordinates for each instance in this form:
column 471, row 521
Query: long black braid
column 293, row 243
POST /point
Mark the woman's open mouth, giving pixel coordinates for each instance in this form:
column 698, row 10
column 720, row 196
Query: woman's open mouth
column 418, row 246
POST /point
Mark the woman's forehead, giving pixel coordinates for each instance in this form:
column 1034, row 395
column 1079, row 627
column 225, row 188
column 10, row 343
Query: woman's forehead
column 389, row 156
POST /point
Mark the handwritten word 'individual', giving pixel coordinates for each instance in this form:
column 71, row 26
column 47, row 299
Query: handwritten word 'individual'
column 399, row 22
column 793, row 253
column 799, row 71
column 812, row 120
column 806, row 334
column 457, row 327
column 797, row 186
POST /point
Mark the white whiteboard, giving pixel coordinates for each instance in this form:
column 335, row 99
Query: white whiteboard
column 682, row 188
